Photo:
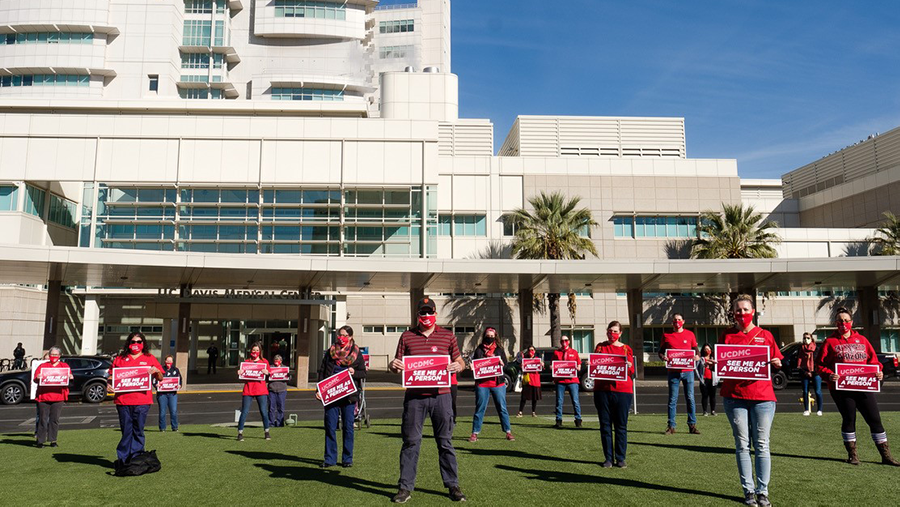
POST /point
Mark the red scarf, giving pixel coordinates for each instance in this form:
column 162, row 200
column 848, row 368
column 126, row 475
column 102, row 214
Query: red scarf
column 489, row 349
column 344, row 356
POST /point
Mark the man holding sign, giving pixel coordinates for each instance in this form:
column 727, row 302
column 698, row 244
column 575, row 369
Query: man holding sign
column 567, row 365
column 487, row 364
column 853, row 371
column 130, row 381
column 53, row 391
column 679, row 350
column 612, row 367
column 748, row 395
column 427, row 398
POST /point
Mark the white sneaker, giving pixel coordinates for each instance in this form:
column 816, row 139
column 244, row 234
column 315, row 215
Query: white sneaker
column 806, row 412
column 819, row 413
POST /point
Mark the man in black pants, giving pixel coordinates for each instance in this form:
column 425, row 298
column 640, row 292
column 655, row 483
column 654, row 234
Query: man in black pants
column 424, row 340
column 213, row 353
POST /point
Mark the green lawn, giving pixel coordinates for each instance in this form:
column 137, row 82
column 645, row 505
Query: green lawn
column 204, row 465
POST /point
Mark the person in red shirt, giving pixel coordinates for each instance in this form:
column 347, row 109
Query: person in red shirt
column 750, row 405
column 680, row 339
column 531, row 385
column 255, row 390
column 133, row 406
column 50, row 400
column 847, row 346
column 493, row 387
column 613, row 399
column 567, row 353
column 707, row 387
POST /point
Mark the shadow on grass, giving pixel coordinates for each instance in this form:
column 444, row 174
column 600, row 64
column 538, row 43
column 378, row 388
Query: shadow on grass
column 521, row 454
column 273, row 456
column 555, row 476
column 208, row 435
column 334, row 478
column 29, row 442
column 83, row 459
column 730, row 450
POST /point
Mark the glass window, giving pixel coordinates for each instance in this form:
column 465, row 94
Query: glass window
column 34, row 200
column 9, row 197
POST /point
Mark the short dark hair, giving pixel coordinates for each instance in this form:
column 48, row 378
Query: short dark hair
column 677, row 315
column 841, row 310
column 348, row 329
column 614, row 324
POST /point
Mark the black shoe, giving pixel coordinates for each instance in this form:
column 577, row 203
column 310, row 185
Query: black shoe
column 54, row 444
column 327, row 465
column 456, row 494
column 763, row 501
column 577, row 423
column 607, row 464
column 268, row 437
column 750, row 499
column 39, row 446
column 240, row 436
column 558, row 424
column 402, row 496
column 621, row 464
column 347, row 465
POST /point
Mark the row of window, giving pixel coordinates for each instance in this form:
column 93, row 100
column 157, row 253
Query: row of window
column 202, row 60
column 462, row 225
column 310, row 9
column 62, row 211
column 195, row 78
column 47, row 38
column 45, row 80
column 203, row 6
column 9, row 197
column 200, row 93
column 224, row 232
column 655, row 227
column 386, row 52
column 324, row 196
column 396, row 26
column 314, row 94
column 200, row 33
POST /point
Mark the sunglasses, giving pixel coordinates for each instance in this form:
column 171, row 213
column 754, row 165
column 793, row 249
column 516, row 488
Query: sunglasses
column 136, row 341
column 426, row 311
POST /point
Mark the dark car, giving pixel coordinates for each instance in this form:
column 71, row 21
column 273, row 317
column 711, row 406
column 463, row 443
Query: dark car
column 789, row 371
column 546, row 353
column 89, row 384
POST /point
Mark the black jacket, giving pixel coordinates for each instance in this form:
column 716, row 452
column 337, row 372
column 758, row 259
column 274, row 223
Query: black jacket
column 326, row 369
column 498, row 352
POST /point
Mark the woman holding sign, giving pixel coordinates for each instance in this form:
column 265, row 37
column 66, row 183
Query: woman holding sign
column 253, row 373
column 167, row 394
column 344, row 355
column 613, row 398
column 53, row 390
column 749, row 404
column 531, row 381
column 842, row 353
column 130, row 377
column 484, row 359
column 278, row 378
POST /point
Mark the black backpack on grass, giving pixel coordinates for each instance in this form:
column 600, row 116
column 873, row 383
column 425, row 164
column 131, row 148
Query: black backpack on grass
column 141, row 463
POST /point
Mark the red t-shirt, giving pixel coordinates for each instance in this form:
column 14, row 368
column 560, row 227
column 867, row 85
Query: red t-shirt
column 47, row 394
column 257, row 387
column 569, row 354
column 679, row 341
column 837, row 349
column 708, row 371
column 136, row 397
column 756, row 390
column 623, row 386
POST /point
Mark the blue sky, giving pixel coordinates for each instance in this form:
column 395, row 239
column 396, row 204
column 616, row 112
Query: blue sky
column 773, row 84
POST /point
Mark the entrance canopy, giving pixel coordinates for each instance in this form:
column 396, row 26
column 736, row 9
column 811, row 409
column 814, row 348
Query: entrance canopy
column 138, row 269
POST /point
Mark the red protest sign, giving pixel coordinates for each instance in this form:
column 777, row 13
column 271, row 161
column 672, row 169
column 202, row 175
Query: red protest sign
column 168, row 385
column 366, row 359
column 742, row 362
column 426, row 371
column 564, row 369
column 54, row 377
column 532, row 365
column 252, row 370
column 130, row 379
column 487, row 367
column 608, row 367
column 340, row 385
column 680, row 359
column 279, row 373
column 857, row 377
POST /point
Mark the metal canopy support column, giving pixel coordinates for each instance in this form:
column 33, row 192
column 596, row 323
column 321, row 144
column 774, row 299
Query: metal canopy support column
column 870, row 315
column 526, row 317
column 636, row 324
column 183, row 334
column 51, row 315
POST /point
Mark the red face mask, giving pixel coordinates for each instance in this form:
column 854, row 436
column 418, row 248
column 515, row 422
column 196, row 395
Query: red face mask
column 565, row 345
column 678, row 324
column 744, row 319
column 168, row 364
column 136, row 348
column 844, row 327
column 277, row 362
column 427, row 321
column 54, row 359
column 343, row 340
column 254, row 354
column 613, row 336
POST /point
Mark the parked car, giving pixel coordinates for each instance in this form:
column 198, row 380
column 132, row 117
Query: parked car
column 90, row 372
column 790, row 373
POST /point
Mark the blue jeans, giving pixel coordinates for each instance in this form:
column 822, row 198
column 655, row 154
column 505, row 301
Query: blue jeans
column 263, row 402
column 167, row 401
column 573, row 393
column 676, row 378
column 346, row 412
column 481, row 400
column 817, row 384
column 751, row 420
column 612, row 410
column 276, row 408
column 131, row 422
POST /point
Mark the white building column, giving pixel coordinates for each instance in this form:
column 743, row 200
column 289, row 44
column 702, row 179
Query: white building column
column 89, row 335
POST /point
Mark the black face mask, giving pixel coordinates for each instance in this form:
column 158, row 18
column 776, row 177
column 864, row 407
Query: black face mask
column 488, row 340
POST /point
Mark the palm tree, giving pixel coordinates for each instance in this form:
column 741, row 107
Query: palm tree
column 556, row 229
column 887, row 239
column 738, row 232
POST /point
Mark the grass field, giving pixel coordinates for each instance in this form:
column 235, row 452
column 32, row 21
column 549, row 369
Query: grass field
column 204, row 465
